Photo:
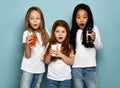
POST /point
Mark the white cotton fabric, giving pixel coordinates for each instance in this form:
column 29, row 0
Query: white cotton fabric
column 86, row 57
column 59, row 71
column 34, row 64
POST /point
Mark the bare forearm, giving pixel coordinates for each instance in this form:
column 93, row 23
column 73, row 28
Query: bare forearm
column 67, row 60
column 27, row 51
column 47, row 59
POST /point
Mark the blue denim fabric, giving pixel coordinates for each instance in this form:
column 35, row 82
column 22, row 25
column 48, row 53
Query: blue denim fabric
column 84, row 77
column 58, row 84
column 30, row 80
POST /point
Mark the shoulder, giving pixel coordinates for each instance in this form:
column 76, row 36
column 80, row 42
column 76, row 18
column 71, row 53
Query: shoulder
column 95, row 27
column 25, row 32
column 96, row 30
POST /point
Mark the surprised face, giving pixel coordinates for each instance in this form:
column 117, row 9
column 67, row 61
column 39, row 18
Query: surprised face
column 34, row 19
column 81, row 18
column 60, row 34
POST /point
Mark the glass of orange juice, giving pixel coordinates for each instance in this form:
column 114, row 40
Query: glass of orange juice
column 33, row 39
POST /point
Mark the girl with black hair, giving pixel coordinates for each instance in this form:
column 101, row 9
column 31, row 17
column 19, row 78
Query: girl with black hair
column 84, row 67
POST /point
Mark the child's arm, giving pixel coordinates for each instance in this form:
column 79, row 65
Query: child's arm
column 97, row 42
column 68, row 60
column 27, row 50
column 47, row 58
column 27, row 47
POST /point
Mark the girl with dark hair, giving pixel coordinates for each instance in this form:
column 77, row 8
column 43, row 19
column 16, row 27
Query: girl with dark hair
column 59, row 55
column 85, row 38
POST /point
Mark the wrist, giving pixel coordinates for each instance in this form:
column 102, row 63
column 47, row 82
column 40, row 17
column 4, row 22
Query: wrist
column 27, row 45
column 62, row 56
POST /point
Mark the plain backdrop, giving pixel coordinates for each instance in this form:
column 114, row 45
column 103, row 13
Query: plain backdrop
column 106, row 16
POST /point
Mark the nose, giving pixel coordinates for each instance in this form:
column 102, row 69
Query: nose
column 60, row 33
column 81, row 20
column 35, row 20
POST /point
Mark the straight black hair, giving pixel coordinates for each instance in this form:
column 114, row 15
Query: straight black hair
column 75, row 27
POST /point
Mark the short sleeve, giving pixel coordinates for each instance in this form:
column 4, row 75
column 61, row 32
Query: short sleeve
column 98, row 43
column 24, row 36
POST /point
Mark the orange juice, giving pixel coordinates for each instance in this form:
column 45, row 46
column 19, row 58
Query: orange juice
column 33, row 40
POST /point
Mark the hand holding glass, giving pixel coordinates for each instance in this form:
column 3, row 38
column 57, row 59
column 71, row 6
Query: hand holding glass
column 88, row 37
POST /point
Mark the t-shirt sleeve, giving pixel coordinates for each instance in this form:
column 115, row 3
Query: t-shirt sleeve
column 98, row 43
column 24, row 37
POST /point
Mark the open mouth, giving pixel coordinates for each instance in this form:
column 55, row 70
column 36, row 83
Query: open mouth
column 60, row 37
column 81, row 24
column 35, row 25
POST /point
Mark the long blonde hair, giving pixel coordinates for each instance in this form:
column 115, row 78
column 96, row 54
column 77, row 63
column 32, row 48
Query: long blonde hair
column 41, row 30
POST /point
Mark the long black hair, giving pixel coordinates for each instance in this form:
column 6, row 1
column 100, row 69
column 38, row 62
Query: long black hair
column 75, row 27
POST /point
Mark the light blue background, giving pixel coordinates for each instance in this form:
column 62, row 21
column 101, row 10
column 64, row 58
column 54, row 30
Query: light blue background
column 106, row 16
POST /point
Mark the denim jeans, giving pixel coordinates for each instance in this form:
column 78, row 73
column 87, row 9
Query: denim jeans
column 84, row 77
column 30, row 80
column 58, row 84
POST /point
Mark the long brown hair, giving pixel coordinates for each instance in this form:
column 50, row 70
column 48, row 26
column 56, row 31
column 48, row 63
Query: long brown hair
column 41, row 30
column 66, row 48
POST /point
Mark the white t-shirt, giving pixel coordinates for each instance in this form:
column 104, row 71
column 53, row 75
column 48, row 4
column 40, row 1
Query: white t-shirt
column 34, row 64
column 59, row 71
column 86, row 57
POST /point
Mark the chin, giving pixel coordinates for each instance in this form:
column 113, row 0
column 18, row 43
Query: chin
column 60, row 41
column 82, row 28
column 35, row 28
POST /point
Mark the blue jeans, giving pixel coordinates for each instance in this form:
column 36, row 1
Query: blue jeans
column 58, row 84
column 30, row 80
column 84, row 77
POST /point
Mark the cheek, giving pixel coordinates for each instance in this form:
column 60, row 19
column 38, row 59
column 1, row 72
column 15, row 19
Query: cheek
column 78, row 22
column 39, row 22
column 65, row 36
column 55, row 34
column 86, row 21
column 30, row 22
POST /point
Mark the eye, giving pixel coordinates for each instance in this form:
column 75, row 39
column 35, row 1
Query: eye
column 85, row 17
column 38, row 18
column 56, row 31
column 63, row 31
column 31, row 18
column 78, row 17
